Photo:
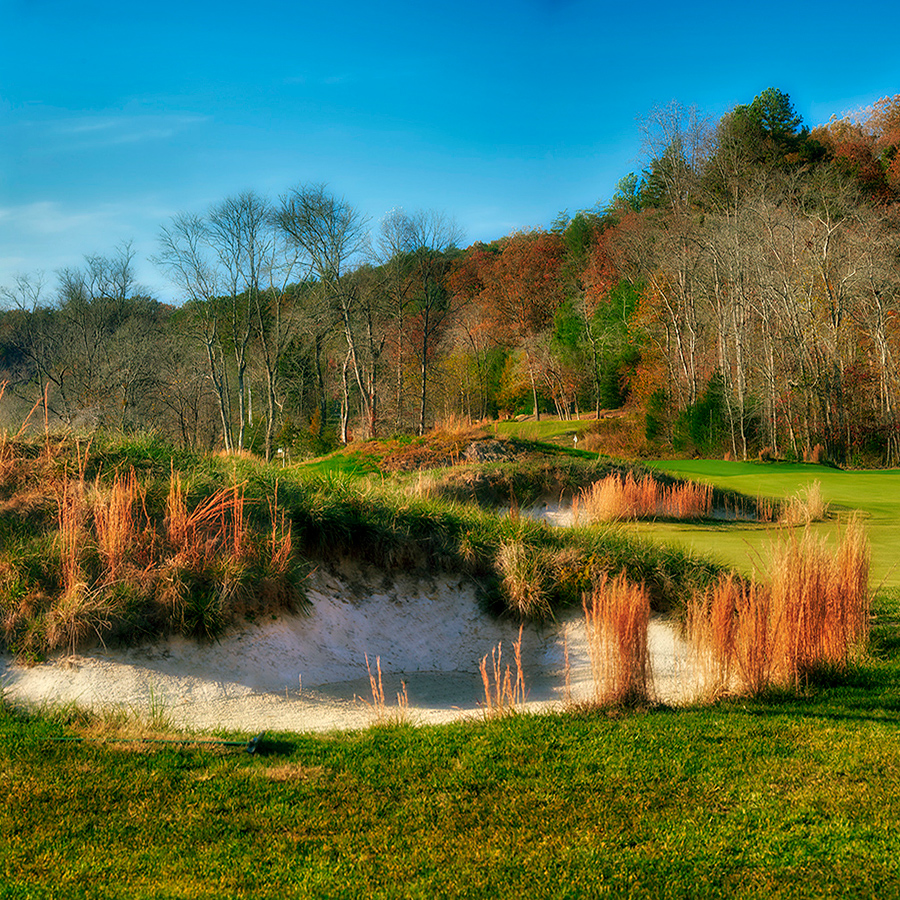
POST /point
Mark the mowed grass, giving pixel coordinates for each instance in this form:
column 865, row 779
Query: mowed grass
column 794, row 797
column 548, row 429
column 874, row 493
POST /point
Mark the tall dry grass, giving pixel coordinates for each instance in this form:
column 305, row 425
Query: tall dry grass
column 617, row 617
column 71, row 516
column 807, row 505
column 735, row 638
column 116, row 567
column 811, row 614
column 81, row 609
column 383, row 713
column 616, row 498
column 217, row 525
column 824, row 598
column 504, row 691
column 116, row 523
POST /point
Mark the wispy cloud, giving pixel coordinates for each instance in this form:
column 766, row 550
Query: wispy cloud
column 47, row 235
column 104, row 131
column 46, row 218
column 91, row 132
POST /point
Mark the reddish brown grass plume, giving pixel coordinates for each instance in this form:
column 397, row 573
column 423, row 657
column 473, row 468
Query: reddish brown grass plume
column 215, row 526
column 823, row 597
column 116, row 522
column 617, row 617
column 616, row 497
column 734, row 638
column 810, row 615
column 117, row 567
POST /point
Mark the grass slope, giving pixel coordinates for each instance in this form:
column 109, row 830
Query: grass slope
column 790, row 795
column 876, row 494
column 125, row 541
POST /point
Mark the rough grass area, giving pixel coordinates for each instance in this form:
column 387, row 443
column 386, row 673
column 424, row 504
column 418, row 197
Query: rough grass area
column 125, row 542
column 100, row 549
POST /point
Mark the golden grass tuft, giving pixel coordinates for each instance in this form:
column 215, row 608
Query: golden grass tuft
column 733, row 637
column 617, row 617
column 524, row 573
column 810, row 615
column 116, row 524
column 807, row 505
column 215, row 526
column 616, row 498
column 823, row 598
column 504, row 692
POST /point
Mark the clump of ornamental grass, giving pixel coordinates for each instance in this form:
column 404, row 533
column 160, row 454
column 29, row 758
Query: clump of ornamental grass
column 767, row 510
column 617, row 618
column 504, row 690
column 807, row 505
column 524, row 574
column 616, row 497
column 115, row 567
column 216, row 567
column 810, row 615
column 823, row 597
column 735, row 637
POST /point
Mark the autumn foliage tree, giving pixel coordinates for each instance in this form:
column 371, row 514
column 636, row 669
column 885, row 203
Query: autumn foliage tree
column 743, row 289
column 519, row 290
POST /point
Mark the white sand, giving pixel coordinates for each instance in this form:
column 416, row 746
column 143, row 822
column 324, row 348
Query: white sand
column 308, row 673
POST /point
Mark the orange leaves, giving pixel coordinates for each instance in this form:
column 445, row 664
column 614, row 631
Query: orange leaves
column 516, row 284
column 600, row 273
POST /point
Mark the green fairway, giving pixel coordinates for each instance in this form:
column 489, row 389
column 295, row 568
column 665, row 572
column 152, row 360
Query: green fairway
column 874, row 493
column 545, row 430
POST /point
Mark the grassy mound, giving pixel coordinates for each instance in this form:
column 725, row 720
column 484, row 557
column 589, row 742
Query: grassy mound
column 127, row 540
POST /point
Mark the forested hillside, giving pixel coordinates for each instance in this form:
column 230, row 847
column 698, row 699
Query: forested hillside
column 741, row 292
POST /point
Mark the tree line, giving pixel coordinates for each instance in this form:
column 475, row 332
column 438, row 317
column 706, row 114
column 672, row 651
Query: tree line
column 742, row 291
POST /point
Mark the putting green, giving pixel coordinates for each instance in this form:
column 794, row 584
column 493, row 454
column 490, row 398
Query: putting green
column 874, row 493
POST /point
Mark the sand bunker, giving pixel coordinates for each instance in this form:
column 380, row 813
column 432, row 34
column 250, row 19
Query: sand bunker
column 308, row 673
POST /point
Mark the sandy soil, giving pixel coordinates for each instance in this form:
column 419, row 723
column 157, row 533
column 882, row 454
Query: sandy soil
column 308, row 673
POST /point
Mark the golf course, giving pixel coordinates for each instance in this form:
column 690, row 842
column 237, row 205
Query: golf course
column 788, row 791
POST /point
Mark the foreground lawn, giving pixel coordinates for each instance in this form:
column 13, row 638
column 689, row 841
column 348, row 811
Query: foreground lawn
column 793, row 797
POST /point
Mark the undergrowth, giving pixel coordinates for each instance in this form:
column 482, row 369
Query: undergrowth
column 130, row 541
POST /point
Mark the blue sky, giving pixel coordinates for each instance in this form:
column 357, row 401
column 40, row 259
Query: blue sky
column 115, row 117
